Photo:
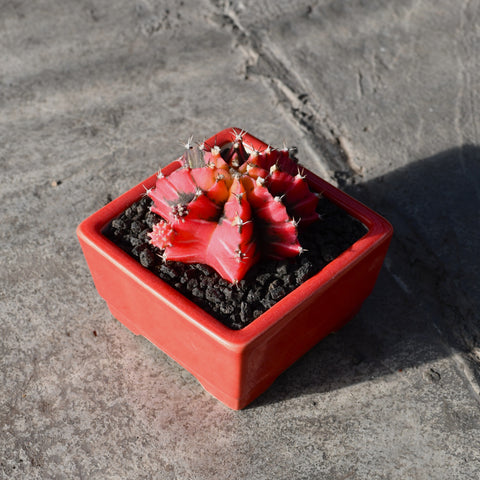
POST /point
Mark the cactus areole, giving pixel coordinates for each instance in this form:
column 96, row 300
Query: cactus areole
column 228, row 206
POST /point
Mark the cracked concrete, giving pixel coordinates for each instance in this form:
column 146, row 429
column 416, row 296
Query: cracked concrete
column 264, row 60
column 380, row 98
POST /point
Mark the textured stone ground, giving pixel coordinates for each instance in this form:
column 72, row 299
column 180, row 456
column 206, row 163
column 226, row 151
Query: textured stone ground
column 381, row 98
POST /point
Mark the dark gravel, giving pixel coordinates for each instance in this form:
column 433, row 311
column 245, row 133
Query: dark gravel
column 265, row 284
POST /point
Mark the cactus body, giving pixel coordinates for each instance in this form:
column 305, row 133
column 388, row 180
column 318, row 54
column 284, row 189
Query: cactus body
column 231, row 208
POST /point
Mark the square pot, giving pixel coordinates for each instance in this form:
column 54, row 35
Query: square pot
column 235, row 366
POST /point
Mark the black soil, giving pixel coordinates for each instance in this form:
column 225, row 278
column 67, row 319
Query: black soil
column 265, row 284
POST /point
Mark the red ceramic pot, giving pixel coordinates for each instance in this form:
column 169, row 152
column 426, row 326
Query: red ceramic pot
column 235, row 366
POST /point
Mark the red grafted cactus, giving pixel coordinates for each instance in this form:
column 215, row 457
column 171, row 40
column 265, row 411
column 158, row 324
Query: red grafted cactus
column 229, row 205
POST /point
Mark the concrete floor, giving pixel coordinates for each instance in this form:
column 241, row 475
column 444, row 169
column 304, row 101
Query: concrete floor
column 381, row 98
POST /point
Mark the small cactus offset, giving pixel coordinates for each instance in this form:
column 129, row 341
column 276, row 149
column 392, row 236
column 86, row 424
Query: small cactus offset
column 229, row 206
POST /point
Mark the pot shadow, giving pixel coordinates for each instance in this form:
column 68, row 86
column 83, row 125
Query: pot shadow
column 424, row 304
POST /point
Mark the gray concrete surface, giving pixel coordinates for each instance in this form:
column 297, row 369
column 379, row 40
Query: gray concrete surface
column 381, row 98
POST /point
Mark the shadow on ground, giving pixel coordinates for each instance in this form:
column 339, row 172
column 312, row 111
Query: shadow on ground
column 425, row 301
